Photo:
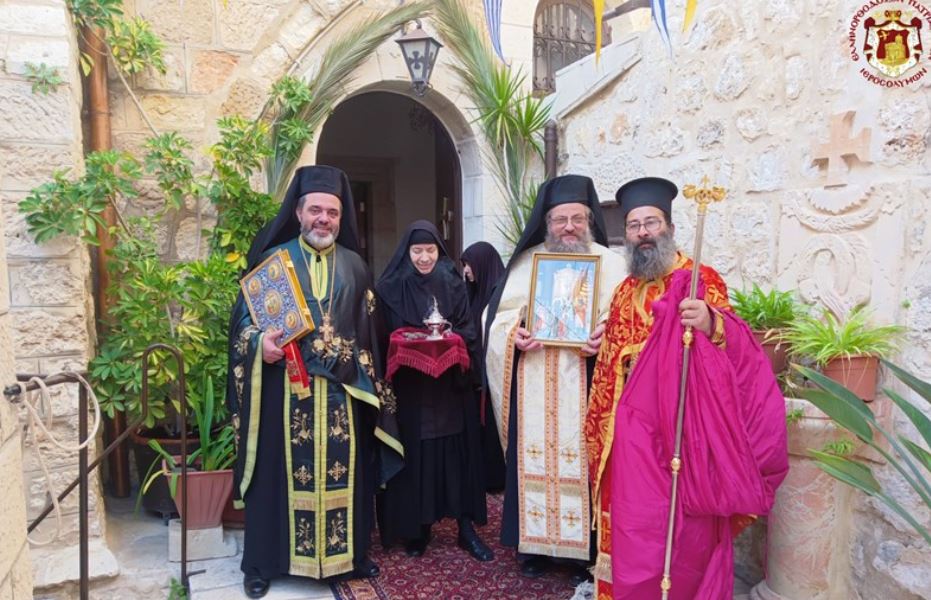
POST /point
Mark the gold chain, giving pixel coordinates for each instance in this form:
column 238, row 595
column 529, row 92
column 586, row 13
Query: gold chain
column 327, row 328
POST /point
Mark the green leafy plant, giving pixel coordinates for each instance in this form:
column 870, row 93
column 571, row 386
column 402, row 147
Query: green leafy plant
column 176, row 591
column 95, row 13
column 186, row 303
column 44, row 79
column 765, row 311
column 130, row 42
column 911, row 461
column 841, row 447
column 794, row 416
column 75, row 207
column 512, row 120
column 238, row 154
column 217, row 450
column 167, row 157
column 825, row 338
column 134, row 46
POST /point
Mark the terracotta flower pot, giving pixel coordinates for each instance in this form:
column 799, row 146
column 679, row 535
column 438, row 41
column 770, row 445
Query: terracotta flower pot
column 775, row 351
column 157, row 498
column 208, row 493
column 857, row 374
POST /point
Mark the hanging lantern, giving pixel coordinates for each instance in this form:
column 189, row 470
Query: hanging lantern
column 420, row 50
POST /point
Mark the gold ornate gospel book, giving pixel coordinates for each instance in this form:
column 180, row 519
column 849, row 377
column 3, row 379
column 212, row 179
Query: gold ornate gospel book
column 275, row 299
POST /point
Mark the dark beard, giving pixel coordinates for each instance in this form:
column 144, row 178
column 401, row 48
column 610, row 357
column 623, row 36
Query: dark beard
column 651, row 263
column 582, row 246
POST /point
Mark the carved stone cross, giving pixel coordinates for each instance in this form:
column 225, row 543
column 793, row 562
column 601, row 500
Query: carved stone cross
column 841, row 146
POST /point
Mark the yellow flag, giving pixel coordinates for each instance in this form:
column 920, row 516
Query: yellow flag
column 599, row 6
column 690, row 7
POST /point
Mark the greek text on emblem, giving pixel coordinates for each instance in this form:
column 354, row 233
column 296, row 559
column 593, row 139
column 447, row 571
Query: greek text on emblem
column 891, row 42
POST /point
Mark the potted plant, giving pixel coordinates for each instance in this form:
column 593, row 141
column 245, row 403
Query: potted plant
column 767, row 315
column 209, row 477
column 183, row 303
column 907, row 456
column 846, row 351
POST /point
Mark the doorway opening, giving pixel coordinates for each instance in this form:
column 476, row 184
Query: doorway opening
column 402, row 166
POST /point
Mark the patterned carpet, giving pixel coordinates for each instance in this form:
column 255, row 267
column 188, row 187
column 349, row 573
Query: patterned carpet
column 445, row 572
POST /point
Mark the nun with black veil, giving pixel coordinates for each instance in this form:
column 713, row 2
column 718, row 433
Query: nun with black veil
column 438, row 417
column 482, row 267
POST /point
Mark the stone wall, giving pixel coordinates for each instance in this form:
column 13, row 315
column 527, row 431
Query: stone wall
column 748, row 97
column 15, row 564
column 223, row 58
column 44, row 289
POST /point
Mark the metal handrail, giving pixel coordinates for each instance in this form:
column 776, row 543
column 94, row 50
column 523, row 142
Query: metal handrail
column 182, row 397
column 13, row 393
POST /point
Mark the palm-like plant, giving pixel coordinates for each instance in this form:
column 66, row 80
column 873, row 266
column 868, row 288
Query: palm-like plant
column 298, row 108
column 912, row 461
column 764, row 311
column 511, row 119
column 827, row 338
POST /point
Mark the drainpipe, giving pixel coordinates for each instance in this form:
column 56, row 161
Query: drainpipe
column 98, row 120
column 550, row 148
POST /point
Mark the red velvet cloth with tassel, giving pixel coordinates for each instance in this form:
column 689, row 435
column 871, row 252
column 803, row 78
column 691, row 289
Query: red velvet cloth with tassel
column 433, row 357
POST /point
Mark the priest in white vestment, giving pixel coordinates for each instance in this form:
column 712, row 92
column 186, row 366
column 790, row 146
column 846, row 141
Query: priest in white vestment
column 540, row 393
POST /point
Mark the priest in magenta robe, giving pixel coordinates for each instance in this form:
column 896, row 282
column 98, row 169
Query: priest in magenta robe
column 734, row 452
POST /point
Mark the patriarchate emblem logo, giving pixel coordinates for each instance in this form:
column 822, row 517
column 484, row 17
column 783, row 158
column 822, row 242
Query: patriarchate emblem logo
column 887, row 37
column 892, row 46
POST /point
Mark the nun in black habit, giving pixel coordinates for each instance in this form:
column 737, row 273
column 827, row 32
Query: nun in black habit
column 438, row 417
column 310, row 457
column 482, row 268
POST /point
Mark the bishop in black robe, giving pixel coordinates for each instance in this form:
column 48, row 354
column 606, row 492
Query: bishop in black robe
column 307, row 467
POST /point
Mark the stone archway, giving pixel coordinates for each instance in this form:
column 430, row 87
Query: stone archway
column 411, row 157
column 296, row 48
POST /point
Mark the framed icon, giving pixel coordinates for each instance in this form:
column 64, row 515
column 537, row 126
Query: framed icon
column 563, row 298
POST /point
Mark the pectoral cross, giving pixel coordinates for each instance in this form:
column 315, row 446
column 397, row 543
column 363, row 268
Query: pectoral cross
column 327, row 330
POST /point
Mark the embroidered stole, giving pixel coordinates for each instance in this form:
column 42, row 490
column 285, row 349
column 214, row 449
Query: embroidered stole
column 320, row 449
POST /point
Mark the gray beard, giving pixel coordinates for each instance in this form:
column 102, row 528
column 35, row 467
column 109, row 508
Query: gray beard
column 582, row 246
column 652, row 263
column 318, row 242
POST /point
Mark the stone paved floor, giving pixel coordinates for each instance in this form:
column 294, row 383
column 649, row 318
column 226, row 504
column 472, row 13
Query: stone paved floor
column 140, row 544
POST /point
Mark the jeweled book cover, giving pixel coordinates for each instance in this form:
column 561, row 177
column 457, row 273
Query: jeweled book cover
column 275, row 299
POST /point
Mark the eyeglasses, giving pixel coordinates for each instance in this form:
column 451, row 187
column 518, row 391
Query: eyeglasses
column 652, row 225
column 577, row 220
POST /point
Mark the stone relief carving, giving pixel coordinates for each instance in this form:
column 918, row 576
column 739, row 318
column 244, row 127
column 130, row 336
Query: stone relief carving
column 834, row 273
column 840, row 210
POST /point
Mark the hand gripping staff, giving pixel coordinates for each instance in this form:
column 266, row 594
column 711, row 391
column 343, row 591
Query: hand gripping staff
column 702, row 196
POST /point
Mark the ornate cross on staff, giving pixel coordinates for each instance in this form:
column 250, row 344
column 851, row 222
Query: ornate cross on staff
column 702, row 196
